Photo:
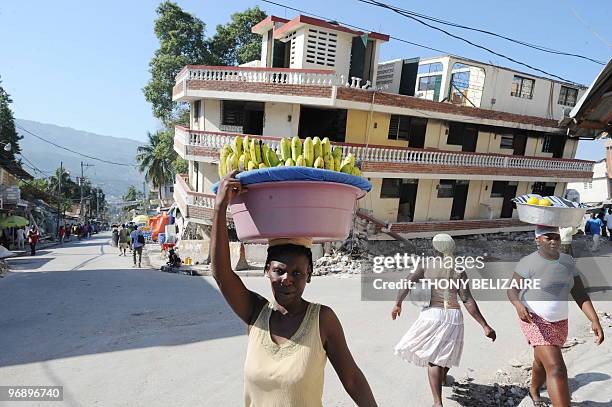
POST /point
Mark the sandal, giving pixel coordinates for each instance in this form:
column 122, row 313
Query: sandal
column 539, row 403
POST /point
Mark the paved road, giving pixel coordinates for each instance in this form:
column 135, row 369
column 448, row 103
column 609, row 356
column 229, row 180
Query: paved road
column 79, row 316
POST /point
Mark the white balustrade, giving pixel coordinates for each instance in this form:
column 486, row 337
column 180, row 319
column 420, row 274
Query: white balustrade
column 259, row 75
column 381, row 154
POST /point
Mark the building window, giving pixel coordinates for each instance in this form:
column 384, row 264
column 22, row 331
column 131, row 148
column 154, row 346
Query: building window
column 588, row 185
column 547, row 147
column 498, row 189
column 544, row 188
column 232, row 113
column 428, row 82
column 446, row 188
column 430, row 68
column 568, row 96
column 407, row 128
column 522, row 87
column 455, row 134
column 390, row 188
column 507, row 141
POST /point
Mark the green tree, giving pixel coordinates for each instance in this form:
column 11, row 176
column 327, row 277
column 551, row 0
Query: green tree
column 181, row 42
column 8, row 134
column 154, row 160
column 131, row 194
column 234, row 43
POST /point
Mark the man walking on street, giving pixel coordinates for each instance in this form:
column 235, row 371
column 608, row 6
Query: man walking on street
column 138, row 242
column 33, row 237
column 61, row 233
column 123, row 240
column 21, row 235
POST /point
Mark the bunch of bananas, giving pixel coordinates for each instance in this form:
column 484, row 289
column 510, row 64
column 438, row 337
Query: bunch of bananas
column 246, row 153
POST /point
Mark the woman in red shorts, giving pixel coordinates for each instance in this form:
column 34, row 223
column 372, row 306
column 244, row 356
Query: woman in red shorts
column 543, row 312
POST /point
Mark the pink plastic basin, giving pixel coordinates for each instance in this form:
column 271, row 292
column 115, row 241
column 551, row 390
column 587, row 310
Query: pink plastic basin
column 321, row 210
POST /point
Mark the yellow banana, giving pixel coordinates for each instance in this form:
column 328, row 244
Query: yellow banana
column 264, row 154
column 329, row 162
column 296, row 147
column 326, row 145
column 243, row 163
column 308, row 152
column 252, row 166
column 337, row 152
column 290, row 162
column 337, row 164
column 318, row 149
column 347, row 168
column 285, row 148
column 237, row 146
column 272, row 158
column 356, row 171
column 319, row 163
column 300, row 162
column 262, row 165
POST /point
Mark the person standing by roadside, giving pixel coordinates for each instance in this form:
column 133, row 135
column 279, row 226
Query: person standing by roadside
column 21, row 235
column 138, row 242
column 60, row 233
column 33, row 238
column 123, row 240
column 68, row 232
column 566, row 239
column 595, row 228
column 608, row 222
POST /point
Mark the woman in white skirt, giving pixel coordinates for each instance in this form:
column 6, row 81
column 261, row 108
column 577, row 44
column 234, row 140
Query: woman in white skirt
column 435, row 339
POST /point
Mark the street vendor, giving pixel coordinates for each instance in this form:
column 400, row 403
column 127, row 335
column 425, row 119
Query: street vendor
column 543, row 312
column 290, row 338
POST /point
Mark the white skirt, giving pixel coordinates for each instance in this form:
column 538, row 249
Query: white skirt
column 435, row 337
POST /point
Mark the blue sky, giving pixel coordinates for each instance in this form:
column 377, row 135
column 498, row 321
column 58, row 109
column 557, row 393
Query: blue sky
column 83, row 63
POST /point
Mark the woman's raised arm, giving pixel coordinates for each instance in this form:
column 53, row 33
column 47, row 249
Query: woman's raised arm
column 245, row 303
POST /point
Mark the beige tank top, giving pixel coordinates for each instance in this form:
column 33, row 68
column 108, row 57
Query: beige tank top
column 286, row 375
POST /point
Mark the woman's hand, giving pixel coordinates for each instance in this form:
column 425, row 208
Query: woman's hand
column 229, row 188
column 598, row 332
column 396, row 311
column 490, row 332
column 523, row 313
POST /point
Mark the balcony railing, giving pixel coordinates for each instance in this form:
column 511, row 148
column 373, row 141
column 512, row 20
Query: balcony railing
column 191, row 197
column 404, row 155
column 287, row 76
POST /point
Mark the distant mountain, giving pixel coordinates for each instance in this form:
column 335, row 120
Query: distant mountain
column 113, row 179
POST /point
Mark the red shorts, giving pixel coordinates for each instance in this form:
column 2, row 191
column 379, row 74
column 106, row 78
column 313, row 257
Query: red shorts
column 544, row 333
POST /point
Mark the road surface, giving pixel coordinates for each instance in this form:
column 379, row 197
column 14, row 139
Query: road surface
column 81, row 317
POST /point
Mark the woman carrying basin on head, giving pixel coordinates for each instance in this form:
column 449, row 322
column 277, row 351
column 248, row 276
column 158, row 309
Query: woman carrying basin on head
column 543, row 312
column 290, row 339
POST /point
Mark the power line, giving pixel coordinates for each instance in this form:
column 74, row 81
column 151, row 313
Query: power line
column 73, row 151
column 34, row 167
column 353, row 26
column 483, row 31
column 398, row 11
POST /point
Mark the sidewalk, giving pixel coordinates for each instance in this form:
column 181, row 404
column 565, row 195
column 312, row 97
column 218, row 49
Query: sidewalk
column 153, row 255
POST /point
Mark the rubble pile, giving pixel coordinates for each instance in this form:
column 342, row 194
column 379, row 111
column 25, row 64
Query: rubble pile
column 508, row 388
column 4, row 268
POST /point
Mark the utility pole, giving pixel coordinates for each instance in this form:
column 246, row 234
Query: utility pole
column 97, row 204
column 81, row 187
column 59, row 194
column 81, row 181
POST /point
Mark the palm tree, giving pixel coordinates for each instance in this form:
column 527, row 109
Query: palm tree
column 155, row 160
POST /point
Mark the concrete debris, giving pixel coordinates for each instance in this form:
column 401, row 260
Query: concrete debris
column 571, row 342
column 4, row 268
column 508, row 389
